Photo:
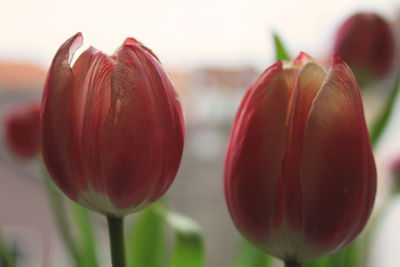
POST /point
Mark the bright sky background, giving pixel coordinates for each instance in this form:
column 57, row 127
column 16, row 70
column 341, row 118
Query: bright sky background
column 180, row 32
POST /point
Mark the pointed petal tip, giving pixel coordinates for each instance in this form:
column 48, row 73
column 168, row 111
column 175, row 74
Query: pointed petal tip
column 277, row 65
column 131, row 41
column 302, row 59
column 74, row 43
column 336, row 59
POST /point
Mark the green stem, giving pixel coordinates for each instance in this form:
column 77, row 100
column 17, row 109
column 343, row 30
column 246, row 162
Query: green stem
column 116, row 231
column 292, row 264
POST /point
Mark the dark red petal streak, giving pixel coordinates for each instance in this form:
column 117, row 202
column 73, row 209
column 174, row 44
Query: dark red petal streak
column 143, row 134
column 255, row 151
column 338, row 176
column 55, row 116
column 90, row 103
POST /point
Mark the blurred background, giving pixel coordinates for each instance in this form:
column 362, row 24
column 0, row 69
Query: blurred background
column 213, row 50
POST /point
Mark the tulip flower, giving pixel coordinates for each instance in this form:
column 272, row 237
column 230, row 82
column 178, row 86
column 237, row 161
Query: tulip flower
column 300, row 176
column 112, row 127
column 22, row 129
column 365, row 41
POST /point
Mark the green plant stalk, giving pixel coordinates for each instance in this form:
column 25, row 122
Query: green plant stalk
column 6, row 253
column 58, row 209
column 117, row 245
column 380, row 123
column 87, row 246
column 292, row 264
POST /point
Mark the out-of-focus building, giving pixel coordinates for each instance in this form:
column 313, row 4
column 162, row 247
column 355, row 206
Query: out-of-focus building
column 21, row 76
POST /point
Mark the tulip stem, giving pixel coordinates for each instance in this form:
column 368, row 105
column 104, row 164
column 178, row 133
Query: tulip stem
column 292, row 264
column 116, row 231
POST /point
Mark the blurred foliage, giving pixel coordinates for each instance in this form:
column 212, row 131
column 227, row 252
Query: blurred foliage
column 250, row 256
column 147, row 242
column 7, row 256
column 280, row 50
column 380, row 123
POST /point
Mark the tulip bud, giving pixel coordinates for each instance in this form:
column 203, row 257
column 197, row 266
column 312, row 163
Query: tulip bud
column 300, row 176
column 22, row 129
column 365, row 41
column 112, row 127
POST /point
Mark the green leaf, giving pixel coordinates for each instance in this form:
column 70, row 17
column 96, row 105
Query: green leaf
column 146, row 240
column 87, row 245
column 58, row 209
column 280, row 51
column 82, row 253
column 323, row 262
column 250, row 256
column 189, row 248
column 380, row 123
column 6, row 253
column 347, row 257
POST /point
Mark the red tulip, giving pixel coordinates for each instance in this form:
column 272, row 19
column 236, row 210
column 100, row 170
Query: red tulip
column 22, row 129
column 112, row 127
column 300, row 177
column 365, row 41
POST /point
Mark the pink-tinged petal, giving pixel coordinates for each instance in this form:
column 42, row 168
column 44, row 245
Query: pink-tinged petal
column 309, row 81
column 338, row 176
column 301, row 60
column 55, row 116
column 135, row 43
column 142, row 138
column 255, row 151
column 90, row 103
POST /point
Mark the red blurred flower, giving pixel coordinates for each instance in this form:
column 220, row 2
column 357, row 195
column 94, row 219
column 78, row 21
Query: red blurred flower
column 365, row 41
column 112, row 126
column 300, row 177
column 22, row 129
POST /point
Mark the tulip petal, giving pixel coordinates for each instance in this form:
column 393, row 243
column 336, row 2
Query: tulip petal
column 309, row 81
column 338, row 176
column 255, row 152
column 54, row 116
column 301, row 60
column 133, row 42
column 142, row 138
column 90, row 103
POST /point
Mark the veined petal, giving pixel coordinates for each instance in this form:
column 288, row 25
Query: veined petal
column 309, row 81
column 142, row 139
column 90, row 103
column 255, row 152
column 135, row 43
column 338, row 176
column 54, row 116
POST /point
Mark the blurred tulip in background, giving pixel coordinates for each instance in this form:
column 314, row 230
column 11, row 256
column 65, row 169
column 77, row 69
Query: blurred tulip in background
column 22, row 129
column 365, row 41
